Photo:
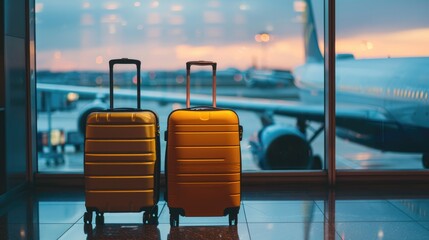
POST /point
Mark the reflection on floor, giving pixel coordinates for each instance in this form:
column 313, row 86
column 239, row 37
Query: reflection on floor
column 57, row 214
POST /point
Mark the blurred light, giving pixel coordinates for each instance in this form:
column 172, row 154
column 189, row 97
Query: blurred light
column 313, row 93
column 380, row 234
column 299, row 19
column 22, row 233
column 124, row 23
column 112, row 29
column 244, row 7
column 214, row 4
column 176, row 106
column 135, row 80
column 57, row 138
column 154, row 18
column 363, row 156
column 39, row 7
column 137, row 4
column 176, row 31
column 99, row 60
column 57, row 55
column 238, row 77
column 176, row 20
column 366, row 45
column 176, row 8
column 152, row 75
column 113, row 17
column 265, row 37
column 87, row 20
column 99, row 80
column 140, row 27
column 86, row 5
column 154, row 4
column 299, row 6
column 213, row 17
column 71, row 97
column 110, row 18
column 111, row 6
column 262, row 37
column 180, row 79
column 270, row 226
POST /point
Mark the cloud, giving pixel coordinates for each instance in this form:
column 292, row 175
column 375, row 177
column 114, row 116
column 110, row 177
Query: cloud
column 405, row 43
column 281, row 53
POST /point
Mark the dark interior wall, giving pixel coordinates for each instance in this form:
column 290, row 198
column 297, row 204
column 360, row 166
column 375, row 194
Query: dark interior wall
column 2, row 153
column 14, row 89
column 2, row 124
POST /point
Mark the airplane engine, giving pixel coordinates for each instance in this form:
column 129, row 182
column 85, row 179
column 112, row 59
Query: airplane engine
column 96, row 105
column 281, row 147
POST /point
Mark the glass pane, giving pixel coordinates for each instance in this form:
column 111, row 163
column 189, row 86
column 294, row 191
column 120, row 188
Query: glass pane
column 382, row 84
column 259, row 47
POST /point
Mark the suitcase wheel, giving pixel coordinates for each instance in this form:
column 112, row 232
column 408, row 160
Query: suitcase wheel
column 99, row 219
column 174, row 219
column 233, row 219
column 150, row 219
column 151, row 216
column 87, row 229
column 87, row 217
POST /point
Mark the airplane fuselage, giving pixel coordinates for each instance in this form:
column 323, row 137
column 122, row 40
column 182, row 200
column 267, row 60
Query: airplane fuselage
column 393, row 90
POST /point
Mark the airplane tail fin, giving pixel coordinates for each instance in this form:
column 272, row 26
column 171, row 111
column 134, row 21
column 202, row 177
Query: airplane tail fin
column 312, row 51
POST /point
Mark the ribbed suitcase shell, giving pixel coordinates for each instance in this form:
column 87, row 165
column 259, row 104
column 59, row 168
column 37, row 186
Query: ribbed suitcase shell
column 203, row 161
column 121, row 161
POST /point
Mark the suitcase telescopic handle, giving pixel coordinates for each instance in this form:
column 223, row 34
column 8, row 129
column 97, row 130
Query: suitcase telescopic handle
column 124, row 61
column 188, row 80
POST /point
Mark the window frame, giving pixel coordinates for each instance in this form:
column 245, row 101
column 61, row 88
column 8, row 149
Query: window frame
column 329, row 176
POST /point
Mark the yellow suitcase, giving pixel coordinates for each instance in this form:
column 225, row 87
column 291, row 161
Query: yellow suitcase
column 122, row 159
column 203, row 160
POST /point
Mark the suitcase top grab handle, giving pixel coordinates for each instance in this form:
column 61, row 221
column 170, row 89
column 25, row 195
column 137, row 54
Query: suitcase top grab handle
column 124, row 61
column 188, row 80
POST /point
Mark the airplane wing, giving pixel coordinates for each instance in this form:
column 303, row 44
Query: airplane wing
column 276, row 146
column 294, row 109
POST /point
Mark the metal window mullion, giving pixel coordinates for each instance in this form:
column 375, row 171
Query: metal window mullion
column 32, row 160
column 329, row 61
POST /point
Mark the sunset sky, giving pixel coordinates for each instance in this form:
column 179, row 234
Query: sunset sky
column 85, row 34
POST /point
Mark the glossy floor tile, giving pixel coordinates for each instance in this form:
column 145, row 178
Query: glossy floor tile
column 369, row 211
column 274, row 231
column 58, row 214
column 382, row 230
column 282, row 211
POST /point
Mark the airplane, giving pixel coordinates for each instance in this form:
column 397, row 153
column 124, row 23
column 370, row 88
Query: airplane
column 269, row 78
column 381, row 103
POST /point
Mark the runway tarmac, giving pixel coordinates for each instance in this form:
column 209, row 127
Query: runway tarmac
column 349, row 155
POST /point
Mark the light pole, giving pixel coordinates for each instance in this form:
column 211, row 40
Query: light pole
column 263, row 38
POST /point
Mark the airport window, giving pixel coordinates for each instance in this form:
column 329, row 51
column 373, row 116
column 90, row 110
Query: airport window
column 387, row 45
column 265, row 53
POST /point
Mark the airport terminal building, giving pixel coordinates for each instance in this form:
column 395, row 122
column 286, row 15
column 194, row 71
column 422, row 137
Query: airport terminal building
column 287, row 119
